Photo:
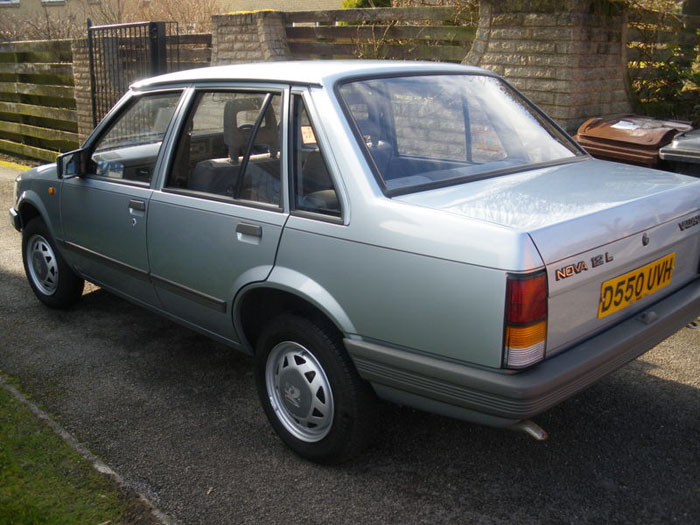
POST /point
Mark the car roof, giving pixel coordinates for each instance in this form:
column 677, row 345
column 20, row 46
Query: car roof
column 305, row 72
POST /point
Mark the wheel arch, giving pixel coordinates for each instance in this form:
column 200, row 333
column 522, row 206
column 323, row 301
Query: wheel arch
column 285, row 290
column 30, row 207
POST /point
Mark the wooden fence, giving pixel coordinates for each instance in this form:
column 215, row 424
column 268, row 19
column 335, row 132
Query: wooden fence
column 662, row 50
column 414, row 33
column 37, row 103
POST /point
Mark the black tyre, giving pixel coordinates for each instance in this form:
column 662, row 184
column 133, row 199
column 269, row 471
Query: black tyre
column 310, row 390
column 52, row 281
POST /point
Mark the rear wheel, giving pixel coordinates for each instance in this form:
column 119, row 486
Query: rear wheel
column 310, row 390
column 52, row 281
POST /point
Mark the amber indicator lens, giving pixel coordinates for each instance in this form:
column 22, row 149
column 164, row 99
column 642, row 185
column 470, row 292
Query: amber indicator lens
column 525, row 336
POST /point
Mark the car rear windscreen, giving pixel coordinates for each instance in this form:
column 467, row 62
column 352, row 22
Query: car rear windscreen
column 425, row 131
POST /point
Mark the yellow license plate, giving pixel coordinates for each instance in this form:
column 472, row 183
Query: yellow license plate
column 625, row 289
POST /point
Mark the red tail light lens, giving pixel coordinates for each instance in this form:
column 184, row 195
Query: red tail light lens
column 526, row 320
column 527, row 299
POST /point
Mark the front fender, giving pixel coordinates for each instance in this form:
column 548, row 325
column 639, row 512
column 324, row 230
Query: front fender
column 30, row 198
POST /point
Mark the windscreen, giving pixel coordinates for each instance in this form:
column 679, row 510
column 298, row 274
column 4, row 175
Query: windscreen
column 424, row 131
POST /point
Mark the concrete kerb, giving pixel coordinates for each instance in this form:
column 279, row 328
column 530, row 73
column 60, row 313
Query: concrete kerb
column 88, row 456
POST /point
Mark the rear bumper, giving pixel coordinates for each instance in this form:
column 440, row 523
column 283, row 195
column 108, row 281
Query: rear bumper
column 15, row 219
column 501, row 398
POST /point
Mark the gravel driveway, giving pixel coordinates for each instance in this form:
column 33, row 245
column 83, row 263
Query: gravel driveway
column 177, row 416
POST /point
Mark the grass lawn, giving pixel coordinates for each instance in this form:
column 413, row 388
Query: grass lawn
column 43, row 480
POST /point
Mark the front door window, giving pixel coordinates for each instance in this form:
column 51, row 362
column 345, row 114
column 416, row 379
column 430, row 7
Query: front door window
column 130, row 147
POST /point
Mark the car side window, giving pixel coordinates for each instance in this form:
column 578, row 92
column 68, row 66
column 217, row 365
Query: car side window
column 129, row 149
column 313, row 187
column 230, row 147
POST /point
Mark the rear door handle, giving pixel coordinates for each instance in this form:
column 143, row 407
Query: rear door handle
column 137, row 205
column 253, row 230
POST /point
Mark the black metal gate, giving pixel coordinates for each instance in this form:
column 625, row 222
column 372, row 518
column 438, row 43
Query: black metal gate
column 121, row 54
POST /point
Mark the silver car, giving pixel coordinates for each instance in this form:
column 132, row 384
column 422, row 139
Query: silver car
column 414, row 232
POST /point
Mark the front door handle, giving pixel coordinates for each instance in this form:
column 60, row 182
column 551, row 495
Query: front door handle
column 253, row 230
column 137, row 205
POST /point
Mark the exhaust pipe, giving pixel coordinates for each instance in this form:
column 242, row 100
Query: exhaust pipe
column 530, row 428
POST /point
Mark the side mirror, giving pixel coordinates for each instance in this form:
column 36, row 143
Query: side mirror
column 72, row 164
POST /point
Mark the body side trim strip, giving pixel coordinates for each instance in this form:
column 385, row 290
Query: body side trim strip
column 118, row 265
column 193, row 295
column 198, row 297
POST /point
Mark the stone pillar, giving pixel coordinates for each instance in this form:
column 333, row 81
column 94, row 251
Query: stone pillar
column 690, row 39
column 567, row 56
column 253, row 36
column 81, row 78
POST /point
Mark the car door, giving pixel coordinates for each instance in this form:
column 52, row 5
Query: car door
column 217, row 222
column 104, row 212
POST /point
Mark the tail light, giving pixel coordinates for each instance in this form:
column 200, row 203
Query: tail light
column 526, row 320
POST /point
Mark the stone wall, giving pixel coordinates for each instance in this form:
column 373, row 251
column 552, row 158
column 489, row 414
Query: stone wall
column 568, row 56
column 426, row 126
column 255, row 36
column 81, row 78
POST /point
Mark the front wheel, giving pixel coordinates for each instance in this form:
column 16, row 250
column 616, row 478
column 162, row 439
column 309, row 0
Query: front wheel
column 51, row 279
column 310, row 390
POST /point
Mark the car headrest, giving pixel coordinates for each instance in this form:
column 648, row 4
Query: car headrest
column 236, row 139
